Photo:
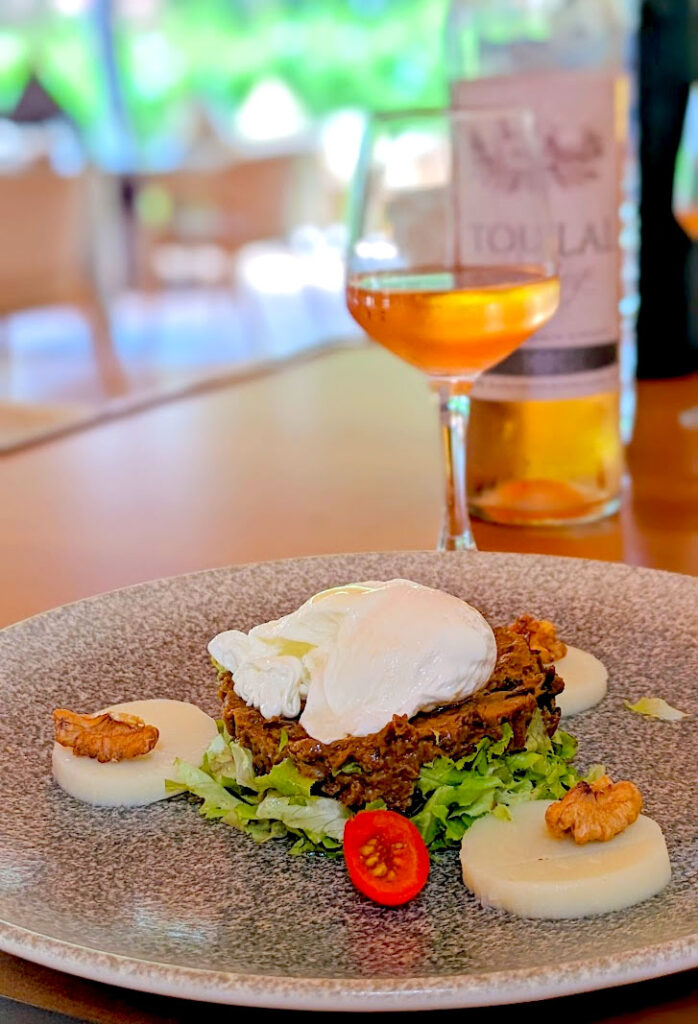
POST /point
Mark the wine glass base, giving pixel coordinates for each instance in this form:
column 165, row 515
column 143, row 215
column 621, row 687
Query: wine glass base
column 463, row 542
column 689, row 418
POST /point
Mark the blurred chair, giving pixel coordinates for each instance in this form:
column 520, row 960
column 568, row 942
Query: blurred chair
column 53, row 222
column 189, row 223
column 43, row 259
column 47, row 254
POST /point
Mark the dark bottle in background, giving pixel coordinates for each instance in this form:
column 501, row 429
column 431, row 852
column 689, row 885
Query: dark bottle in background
column 667, row 329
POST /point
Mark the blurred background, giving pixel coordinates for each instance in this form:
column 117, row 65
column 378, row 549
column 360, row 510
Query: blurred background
column 173, row 181
column 174, row 174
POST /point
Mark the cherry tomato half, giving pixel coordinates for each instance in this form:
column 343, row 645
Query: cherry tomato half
column 386, row 857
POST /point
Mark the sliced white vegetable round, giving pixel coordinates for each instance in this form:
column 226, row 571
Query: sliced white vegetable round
column 518, row 866
column 185, row 732
column 585, row 678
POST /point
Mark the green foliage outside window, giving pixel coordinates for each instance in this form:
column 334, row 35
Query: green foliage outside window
column 330, row 53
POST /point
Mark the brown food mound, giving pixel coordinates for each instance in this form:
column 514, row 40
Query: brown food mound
column 390, row 760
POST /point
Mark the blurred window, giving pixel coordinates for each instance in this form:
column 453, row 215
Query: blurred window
column 138, row 76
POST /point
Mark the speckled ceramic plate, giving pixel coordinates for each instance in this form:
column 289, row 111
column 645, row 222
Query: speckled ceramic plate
column 158, row 899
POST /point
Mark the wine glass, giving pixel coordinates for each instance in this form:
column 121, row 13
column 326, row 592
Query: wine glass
column 685, row 194
column 685, row 197
column 452, row 260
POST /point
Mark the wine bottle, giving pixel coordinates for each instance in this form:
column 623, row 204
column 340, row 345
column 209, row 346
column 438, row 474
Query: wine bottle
column 547, row 426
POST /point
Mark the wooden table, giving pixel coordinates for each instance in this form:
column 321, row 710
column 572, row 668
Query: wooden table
column 340, row 454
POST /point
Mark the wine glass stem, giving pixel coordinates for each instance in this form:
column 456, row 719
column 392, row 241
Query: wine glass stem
column 454, row 409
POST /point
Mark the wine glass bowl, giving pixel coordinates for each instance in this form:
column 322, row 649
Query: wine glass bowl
column 685, row 198
column 452, row 323
column 452, row 260
column 685, row 191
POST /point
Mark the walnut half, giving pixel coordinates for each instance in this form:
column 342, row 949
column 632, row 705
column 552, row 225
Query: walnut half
column 107, row 737
column 541, row 637
column 594, row 811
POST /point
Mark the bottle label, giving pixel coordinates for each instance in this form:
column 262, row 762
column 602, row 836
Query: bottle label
column 578, row 120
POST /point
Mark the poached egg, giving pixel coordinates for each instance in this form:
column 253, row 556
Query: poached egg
column 359, row 654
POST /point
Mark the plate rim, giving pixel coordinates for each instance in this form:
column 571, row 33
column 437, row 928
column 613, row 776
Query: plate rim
column 329, row 556
column 323, row 993
column 274, row 991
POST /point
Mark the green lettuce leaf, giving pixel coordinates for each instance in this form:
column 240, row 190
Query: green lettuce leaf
column 272, row 806
column 488, row 780
column 318, row 818
column 285, row 778
column 449, row 795
column 229, row 763
column 656, row 707
column 217, row 800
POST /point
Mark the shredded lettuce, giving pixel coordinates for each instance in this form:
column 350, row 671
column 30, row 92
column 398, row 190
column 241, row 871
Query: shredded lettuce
column 488, row 780
column 656, row 707
column 272, row 806
column 449, row 795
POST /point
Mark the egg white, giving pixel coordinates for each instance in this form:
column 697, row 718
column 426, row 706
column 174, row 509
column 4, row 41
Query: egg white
column 185, row 732
column 358, row 654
